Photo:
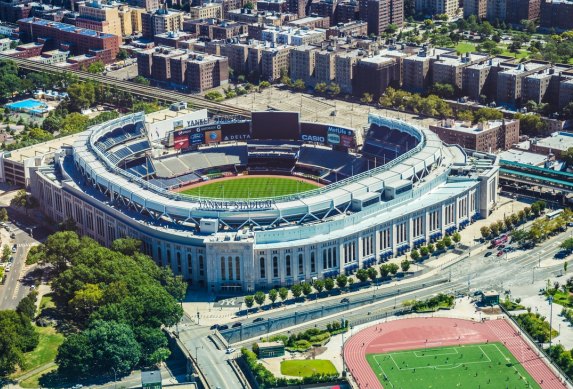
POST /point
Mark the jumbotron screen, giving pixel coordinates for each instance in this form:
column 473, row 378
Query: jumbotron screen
column 275, row 125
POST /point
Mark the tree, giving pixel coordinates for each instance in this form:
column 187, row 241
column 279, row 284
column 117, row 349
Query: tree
column 260, row 298
column 23, row 200
column 384, row 270
column 362, row 275
column 531, row 124
column 485, row 114
column 431, row 248
column 249, row 301
column 73, row 123
column 273, row 295
column 393, row 268
column 456, row 237
column 341, row 281
column 264, row 84
column 465, row 115
column 283, row 293
column 141, row 80
column 249, row 5
column 319, row 285
column 306, row 288
column 27, row 306
column 447, row 241
column 296, row 290
column 86, row 300
column 214, row 96
column 567, row 156
column 17, row 337
column 445, row 91
column 96, row 67
column 126, row 246
column 82, row 95
column 367, row 98
column 105, row 346
column 415, row 255
column 405, row 265
column 6, row 252
column 424, row 251
column 333, row 89
column 329, row 284
column 122, row 55
column 440, row 245
column 299, row 85
column 320, row 87
column 372, row 273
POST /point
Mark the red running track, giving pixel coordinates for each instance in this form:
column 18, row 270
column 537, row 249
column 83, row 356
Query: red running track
column 408, row 334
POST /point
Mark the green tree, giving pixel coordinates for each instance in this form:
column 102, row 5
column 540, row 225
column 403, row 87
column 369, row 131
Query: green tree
column 445, row 91
column 485, row 232
column 126, row 246
column 333, row 89
column 362, row 275
column 299, row 85
column 456, row 237
column 447, row 241
column 122, row 55
column 440, row 245
column 17, row 337
column 372, row 273
column 393, row 268
column 306, row 288
column 320, row 88
column 296, row 290
column 75, row 356
column 96, row 67
column 264, row 84
column 384, row 270
column 273, row 295
column 214, row 96
column 341, row 281
column 531, row 124
column 73, row 123
column 415, row 255
column 249, row 301
column 567, row 156
column 283, row 293
column 27, row 306
column 82, row 95
column 141, row 80
column 23, row 200
column 367, row 98
column 6, row 252
column 319, row 285
column 485, row 114
column 424, row 251
column 431, row 248
column 86, row 300
column 260, row 298
column 465, row 115
column 405, row 265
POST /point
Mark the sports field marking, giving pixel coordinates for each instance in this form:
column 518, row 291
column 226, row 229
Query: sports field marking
column 468, row 366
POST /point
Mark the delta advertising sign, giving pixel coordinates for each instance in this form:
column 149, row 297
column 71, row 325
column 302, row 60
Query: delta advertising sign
column 212, row 133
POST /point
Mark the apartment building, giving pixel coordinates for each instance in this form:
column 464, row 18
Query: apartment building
column 447, row 68
column 346, row 11
column 273, row 5
column 292, row 36
column 518, row 10
column 99, row 17
column 475, row 7
column 345, row 69
column 161, row 21
column 302, row 63
column 324, row 8
column 274, row 60
column 355, row 28
column 197, row 71
column 480, row 79
column 63, row 36
column 206, row 11
column 437, row 7
column 557, row 14
column 510, row 81
column 311, row 22
column 485, row 137
column 380, row 13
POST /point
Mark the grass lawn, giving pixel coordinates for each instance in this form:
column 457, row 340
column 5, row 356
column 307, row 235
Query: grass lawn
column 251, row 188
column 45, row 352
column 34, row 381
column 521, row 54
column 307, row 367
column 561, row 298
column 470, row 366
column 47, row 302
column 465, row 47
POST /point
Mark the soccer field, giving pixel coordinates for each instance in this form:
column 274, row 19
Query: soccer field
column 487, row 365
column 251, row 188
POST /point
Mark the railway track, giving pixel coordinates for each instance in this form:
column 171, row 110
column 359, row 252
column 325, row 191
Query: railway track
column 136, row 89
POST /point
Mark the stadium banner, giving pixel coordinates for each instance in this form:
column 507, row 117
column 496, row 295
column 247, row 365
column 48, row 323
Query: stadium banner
column 327, row 134
column 238, row 130
column 215, row 132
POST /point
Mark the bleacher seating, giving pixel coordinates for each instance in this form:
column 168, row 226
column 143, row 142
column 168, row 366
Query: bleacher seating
column 384, row 144
column 324, row 158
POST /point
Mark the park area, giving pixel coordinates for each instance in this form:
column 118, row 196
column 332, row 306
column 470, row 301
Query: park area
column 307, row 368
column 478, row 365
column 246, row 187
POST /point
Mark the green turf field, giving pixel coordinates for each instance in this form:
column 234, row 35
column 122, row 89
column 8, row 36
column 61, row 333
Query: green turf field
column 251, row 188
column 307, row 367
column 487, row 365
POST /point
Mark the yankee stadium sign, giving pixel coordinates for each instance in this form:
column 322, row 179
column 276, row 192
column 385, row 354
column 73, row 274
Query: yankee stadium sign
column 230, row 205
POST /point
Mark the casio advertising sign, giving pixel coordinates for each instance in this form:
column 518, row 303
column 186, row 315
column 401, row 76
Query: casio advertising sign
column 313, row 138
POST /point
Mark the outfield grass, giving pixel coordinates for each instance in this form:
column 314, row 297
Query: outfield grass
column 465, row 47
column 307, row 367
column 485, row 365
column 251, row 188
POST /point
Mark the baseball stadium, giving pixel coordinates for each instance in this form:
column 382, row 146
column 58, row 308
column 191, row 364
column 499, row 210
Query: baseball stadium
column 237, row 204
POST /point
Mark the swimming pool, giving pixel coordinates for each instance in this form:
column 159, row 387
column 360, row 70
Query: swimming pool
column 28, row 105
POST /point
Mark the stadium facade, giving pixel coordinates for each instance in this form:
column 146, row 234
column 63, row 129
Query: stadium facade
column 402, row 187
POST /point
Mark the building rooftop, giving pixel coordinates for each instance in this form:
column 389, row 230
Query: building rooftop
column 522, row 156
column 469, row 128
column 525, row 67
column 66, row 27
column 41, row 148
column 557, row 141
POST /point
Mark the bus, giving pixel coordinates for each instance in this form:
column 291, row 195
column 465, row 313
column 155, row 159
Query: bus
column 554, row 214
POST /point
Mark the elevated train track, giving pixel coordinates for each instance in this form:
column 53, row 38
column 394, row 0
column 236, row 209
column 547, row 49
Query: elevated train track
column 137, row 89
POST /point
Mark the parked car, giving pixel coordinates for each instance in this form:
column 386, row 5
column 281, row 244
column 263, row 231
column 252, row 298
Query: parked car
column 345, row 300
column 258, row 319
column 223, row 327
column 230, row 350
column 237, row 324
column 14, row 248
column 215, row 327
column 500, row 253
column 488, row 254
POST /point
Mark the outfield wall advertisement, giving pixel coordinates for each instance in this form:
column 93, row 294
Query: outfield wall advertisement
column 211, row 133
column 327, row 134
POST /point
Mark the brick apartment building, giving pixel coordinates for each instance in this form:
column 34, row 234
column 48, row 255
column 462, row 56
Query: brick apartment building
column 63, row 36
column 556, row 14
column 484, row 137
column 381, row 13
